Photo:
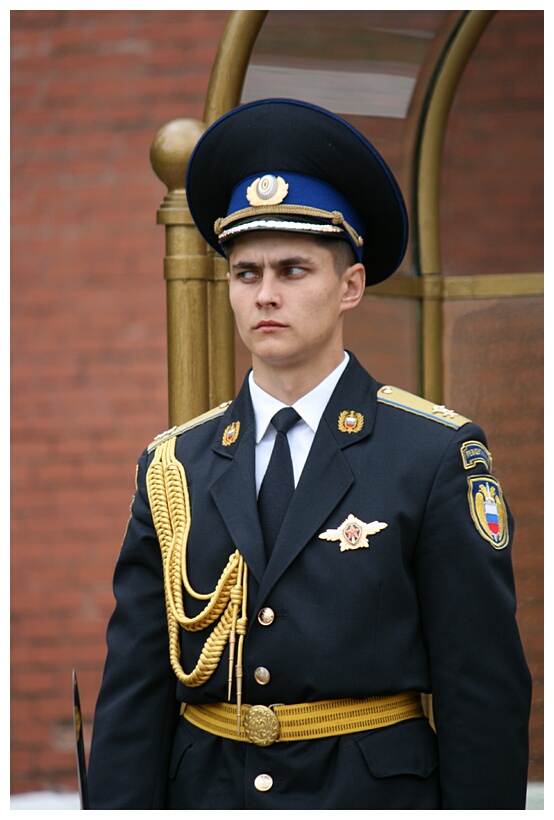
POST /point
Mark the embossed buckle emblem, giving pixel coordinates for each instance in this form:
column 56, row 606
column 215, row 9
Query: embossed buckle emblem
column 261, row 725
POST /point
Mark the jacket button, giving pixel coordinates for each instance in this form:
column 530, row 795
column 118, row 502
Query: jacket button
column 262, row 676
column 266, row 616
column 263, row 782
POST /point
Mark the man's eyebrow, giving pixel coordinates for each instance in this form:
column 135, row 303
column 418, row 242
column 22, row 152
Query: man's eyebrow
column 243, row 263
column 286, row 262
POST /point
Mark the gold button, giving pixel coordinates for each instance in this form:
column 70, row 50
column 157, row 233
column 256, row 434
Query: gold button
column 266, row 616
column 262, row 676
column 263, row 782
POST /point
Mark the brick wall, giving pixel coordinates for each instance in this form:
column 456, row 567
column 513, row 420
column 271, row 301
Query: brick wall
column 89, row 91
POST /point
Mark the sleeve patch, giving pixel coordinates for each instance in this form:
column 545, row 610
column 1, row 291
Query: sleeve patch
column 488, row 510
column 475, row 452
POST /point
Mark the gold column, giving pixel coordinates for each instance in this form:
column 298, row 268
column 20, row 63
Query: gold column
column 200, row 325
column 188, row 272
column 221, row 333
column 226, row 82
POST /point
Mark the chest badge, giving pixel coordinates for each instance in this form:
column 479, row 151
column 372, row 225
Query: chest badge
column 353, row 533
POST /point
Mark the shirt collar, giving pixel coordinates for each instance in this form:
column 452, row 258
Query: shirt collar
column 310, row 407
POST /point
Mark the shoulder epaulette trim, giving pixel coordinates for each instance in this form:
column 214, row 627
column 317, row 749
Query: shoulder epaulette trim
column 214, row 413
column 411, row 403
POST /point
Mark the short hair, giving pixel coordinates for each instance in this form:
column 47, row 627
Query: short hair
column 341, row 250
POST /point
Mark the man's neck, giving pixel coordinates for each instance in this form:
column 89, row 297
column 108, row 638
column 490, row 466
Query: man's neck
column 289, row 384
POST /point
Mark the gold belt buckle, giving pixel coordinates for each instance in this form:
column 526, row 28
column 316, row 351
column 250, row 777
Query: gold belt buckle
column 261, row 725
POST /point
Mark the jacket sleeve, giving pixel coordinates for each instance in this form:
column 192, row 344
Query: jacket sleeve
column 480, row 681
column 137, row 709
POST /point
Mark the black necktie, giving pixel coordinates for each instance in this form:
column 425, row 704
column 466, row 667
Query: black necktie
column 278, row 483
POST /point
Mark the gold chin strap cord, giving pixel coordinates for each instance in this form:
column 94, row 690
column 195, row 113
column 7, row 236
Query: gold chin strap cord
column 336, row 218
column 169, row 501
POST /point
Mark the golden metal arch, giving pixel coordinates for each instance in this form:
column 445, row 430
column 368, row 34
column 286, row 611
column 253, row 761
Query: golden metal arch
column 200, row 324
column 429, row 286
column 231, row 62
column 427, row 190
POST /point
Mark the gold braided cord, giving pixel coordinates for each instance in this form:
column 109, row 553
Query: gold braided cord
column 170, row 505
column 336, row 217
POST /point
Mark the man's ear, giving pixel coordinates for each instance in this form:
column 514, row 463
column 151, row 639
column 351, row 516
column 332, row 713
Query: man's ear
column 354, row 282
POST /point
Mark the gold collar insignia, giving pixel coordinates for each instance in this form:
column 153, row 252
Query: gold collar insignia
column 230, row 434
column 350, row 421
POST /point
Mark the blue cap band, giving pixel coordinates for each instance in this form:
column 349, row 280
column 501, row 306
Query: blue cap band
column 302, row 196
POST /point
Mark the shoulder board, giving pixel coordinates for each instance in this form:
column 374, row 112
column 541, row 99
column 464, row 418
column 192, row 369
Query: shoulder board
column 215, row 413
column 395, row 397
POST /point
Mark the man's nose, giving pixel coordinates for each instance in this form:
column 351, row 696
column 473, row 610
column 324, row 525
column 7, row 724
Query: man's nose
column 268, row 292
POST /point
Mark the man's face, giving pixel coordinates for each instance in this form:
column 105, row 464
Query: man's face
column 288, row 299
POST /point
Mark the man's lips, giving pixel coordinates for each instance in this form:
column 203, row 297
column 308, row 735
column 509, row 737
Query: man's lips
column 268, row 324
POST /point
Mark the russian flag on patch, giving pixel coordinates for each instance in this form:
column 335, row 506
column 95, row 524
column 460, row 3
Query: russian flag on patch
column 491, row 515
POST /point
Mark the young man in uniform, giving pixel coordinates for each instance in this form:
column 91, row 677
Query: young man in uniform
column 302, row 563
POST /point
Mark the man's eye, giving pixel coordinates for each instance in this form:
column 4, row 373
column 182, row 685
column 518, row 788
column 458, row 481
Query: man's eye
column 247, row 275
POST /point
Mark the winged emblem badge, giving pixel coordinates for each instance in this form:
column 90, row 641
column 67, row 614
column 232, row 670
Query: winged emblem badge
column 353, row 533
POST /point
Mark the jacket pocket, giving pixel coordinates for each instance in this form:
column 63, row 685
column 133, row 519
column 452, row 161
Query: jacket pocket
column 407, row 748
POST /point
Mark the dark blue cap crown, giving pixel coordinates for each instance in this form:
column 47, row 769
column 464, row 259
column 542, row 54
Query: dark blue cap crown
column 289, row 166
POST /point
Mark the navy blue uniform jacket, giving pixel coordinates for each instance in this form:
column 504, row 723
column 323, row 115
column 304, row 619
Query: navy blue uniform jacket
column 428, row 606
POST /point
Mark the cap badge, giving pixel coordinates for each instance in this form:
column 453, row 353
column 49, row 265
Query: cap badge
column 231, row 434
column 267, row 190
column 353, row 533
column 350, row 421
column 488, row 511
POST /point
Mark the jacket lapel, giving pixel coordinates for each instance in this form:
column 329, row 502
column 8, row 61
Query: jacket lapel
column 234, row 491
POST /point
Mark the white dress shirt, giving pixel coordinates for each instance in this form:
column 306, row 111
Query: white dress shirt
column 310, row 409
